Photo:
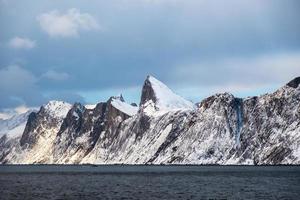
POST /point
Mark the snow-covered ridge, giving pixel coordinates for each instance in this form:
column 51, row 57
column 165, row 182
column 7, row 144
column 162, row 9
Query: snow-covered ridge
column 124, row 107
column 57, row 109
column 166, row 99
column 163, row 100
column 223, row 130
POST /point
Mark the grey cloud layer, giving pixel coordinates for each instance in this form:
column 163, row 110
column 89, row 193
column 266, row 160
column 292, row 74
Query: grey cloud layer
column 105, row 45
column 18, row 86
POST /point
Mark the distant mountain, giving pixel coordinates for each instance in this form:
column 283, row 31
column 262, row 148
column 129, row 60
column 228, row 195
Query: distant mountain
column 14, row 126
column 164, row 129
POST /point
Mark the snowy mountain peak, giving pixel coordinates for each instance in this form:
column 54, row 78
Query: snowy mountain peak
column 76, row 110
column 156, row 93
column 78, row 106
column 58, row 109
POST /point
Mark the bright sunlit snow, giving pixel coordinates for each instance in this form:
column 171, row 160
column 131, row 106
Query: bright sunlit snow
column 167, row 100
column 124, row 107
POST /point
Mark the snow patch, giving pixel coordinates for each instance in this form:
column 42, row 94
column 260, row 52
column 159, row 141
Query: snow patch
column 90, row 106
column 75, row 114
column 124, row 107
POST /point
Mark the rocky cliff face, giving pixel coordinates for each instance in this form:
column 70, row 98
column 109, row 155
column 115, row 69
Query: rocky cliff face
column 164, row 129
column 83, row 127
column 35, row 143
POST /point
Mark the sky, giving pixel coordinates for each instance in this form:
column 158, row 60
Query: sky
column 86, row 51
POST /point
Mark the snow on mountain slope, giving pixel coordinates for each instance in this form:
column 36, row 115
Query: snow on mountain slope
column 222, row 130
column 36, row 142
column 156, row 96
column 40, row 132
column 57, row 109
column 16, row 131
column 90, row 106
column 14, row 126
column 120, row 104
column 79, row 135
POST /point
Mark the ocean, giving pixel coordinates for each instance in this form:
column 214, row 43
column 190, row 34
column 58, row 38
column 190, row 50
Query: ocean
column 148, row 182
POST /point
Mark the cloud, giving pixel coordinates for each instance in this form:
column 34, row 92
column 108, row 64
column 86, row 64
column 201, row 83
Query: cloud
column 17, row 87
column 4, row 115
column 20, row 89
column 56, row 76
column 68, row 24
column 15, row 78
column 21, row 43
column 8, row 113
column 22, row 109
column 184, row 42
column 238, row 75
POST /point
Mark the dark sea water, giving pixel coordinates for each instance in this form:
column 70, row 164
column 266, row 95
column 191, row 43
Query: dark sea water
column 149, row 182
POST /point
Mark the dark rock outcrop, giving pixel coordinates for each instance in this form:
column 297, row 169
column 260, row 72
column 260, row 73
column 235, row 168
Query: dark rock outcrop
column 28, row 137
column 147, row 92
column 294, row 83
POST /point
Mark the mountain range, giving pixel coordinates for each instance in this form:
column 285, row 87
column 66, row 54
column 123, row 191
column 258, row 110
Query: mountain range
column 163, row 129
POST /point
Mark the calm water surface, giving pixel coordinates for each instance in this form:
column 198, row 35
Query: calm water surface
column 149, row 182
